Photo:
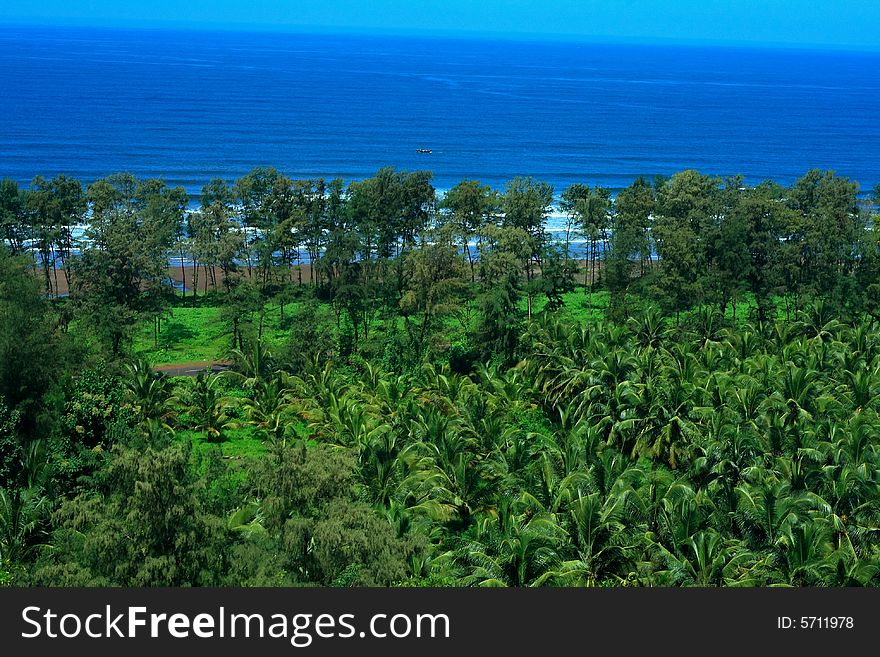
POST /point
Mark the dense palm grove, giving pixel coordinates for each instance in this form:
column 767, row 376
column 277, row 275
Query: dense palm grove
column 458, row 398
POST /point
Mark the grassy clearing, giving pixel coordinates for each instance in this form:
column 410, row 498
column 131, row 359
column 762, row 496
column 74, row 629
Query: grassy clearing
column 239, row 444
column 200, row 334
column 189, row 334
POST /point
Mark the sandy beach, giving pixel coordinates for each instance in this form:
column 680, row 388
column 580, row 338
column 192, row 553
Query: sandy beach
column 61, row 286
column 207, row 283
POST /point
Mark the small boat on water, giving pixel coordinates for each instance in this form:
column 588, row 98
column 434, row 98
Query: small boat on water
column 424, row 150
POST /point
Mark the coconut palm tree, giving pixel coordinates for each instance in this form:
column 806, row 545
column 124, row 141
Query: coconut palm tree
column 22, row 512
column 147, row 391
column 650, row 328
column 601, row 540
column 270, row 409
column 805, row 554
column 251, row 367
column 670, row 429
column 518, row 546
column 708, row 559
column 767, row 509
column 204, row 407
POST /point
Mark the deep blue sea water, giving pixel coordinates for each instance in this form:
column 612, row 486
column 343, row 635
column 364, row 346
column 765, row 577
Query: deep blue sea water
column 188, row 106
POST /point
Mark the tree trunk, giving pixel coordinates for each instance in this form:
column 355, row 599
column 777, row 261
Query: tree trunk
column 594, row 247
column 586, row 267
column 48, row 277
column 65, row 258
column 247, row 251
column 195, row 278
column 467, row 248
column 55, row 274
column 183, row 270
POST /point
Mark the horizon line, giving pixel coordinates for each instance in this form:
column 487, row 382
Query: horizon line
column 463, row 35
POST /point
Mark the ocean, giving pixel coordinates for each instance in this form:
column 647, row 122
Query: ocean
column 189, row 106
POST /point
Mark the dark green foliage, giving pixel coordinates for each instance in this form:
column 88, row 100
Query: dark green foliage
column 309, row 511
column 94, row 402
column 147, row 529
column 557, row 277
column 681, row 231
column 427, row 419
column 119, row 279
column 630, row 243
column 54, row 206
column 526, row 205
column 499, row 323
column 13, row 222
column 867, row 293
column 434, row 289
column 471, row 207
column 243, row 313
column 29, row 349
column 214, row 239
column 11, row 448
column 589, row 212
column 311, row 337
column 94, row 414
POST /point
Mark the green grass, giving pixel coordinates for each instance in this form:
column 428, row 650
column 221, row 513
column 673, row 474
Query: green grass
column 190, row 334
column 239, row 444
column 201, row 334
column 577, row 305
column 240, row 447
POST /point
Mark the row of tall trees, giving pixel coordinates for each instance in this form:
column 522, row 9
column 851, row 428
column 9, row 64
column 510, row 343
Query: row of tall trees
column 716, row 238
column 481, row 439
column 684, row 241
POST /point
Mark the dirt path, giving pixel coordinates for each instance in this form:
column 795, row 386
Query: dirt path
column 193, row 368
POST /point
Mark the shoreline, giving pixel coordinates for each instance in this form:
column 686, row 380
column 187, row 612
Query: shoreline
column 176, row 275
